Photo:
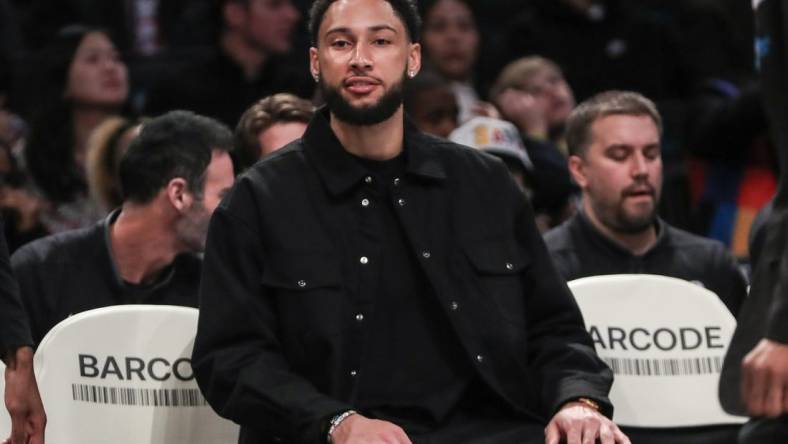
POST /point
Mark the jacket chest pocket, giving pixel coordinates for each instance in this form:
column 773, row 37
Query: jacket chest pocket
column 308, row 291
column 499, row 269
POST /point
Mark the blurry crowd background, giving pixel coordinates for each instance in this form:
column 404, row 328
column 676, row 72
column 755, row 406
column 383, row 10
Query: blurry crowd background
column 77, row 77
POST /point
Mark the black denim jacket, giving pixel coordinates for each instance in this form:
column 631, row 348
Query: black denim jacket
column 277, row 348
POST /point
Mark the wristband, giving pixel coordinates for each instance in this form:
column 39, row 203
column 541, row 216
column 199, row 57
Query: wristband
column 336, row 421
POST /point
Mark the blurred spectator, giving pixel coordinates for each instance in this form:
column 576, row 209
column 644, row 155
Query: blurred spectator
column 450, row 39
column 138, row 27
column 268, row 125
column 733, row 169
column 431, row 104
column 502, row 140
column 82, row 81
column 602, row 44
column 537, row 167
column 173, row 177
column 532, row 93
column 248, row 61
column 105, row 148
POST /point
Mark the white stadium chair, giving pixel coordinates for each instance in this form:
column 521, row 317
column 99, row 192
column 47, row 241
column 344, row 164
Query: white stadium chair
column 5, row 420
column 123, row 375
column 665, row 340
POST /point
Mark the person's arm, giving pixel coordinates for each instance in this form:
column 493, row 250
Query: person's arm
column 238, row 358
column 22, row 399
column 21, row 392
column 573, row 379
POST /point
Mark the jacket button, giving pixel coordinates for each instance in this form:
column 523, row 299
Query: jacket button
column 368, row 179
column 426, row 254
column 364, row 260
column 396, row 181
column 401, row 202
column 509, row 266
column 353, row 373
column 364, row 203
column 454, row 305
column 479, row 358
column 301, row 283
column 359, row 317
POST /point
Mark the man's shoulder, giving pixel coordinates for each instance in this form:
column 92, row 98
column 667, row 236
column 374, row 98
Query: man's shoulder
column 681, row 239
column 57, row 248
column 559, row 239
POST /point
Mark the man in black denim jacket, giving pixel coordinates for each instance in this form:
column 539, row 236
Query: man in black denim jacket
column 369, row 283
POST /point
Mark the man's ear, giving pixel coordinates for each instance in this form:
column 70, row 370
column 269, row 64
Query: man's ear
column 578, row 171
column 314, row 63
column 178, row 194
column 414, row 59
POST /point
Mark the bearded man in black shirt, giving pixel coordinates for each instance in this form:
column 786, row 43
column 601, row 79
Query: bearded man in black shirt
column 371, row 284
column 615, row 158
column 173, row 176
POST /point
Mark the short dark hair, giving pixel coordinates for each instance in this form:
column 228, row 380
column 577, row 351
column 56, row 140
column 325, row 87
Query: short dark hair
column 578, row 125
column 406, row 10
column 266, row 112
column 175, row 144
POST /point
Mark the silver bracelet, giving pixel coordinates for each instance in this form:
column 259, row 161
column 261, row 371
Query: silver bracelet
column 336, row 421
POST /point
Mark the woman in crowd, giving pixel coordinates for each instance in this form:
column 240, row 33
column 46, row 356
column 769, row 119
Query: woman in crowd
column 451, row 40
column 83, row 81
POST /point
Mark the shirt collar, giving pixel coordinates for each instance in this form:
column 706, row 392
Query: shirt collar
column 596, row 236
column 341, row 172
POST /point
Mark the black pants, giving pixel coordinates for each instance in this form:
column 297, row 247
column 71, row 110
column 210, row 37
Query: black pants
column 483, row 431
column 765, row 431
column 722, row 434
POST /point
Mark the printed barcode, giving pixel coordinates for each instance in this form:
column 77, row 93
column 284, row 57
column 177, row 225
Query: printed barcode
column 665, row 367
column 138, row 396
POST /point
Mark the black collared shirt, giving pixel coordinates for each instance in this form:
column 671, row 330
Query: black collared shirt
column 73, row 271
column 580, row 250
column 404, row 319
column 279, row 347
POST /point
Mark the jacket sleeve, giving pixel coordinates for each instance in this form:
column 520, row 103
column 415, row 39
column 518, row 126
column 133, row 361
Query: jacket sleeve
column 238, row 359
column 560, row 351
column 14, row 328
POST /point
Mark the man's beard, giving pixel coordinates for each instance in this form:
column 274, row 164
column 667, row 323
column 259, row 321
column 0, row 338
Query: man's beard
column 365, row 115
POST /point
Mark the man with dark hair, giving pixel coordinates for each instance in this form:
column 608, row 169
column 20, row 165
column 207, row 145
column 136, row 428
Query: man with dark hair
column 369, row 283
column 249, row 60
column 173, row 176
column 614, row 145
column 268, row 125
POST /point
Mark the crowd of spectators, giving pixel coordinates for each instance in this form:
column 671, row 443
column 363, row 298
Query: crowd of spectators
column 77, row 77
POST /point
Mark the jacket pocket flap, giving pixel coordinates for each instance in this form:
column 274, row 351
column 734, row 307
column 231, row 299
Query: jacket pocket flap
column 302, row 270
column 497, row 257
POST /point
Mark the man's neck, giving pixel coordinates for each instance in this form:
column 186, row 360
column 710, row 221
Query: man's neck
column 382, row 141
column 250, row 59
column 141, row 245
column 636, row 243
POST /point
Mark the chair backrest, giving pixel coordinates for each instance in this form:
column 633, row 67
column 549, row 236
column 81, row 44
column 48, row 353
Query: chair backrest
column 123, row 374
column 665, row 340
column 5, row 420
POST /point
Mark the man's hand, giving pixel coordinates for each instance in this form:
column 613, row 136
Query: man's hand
column 23, row 400
column 580, row 424
column 765, row 379
column 357, row 429
column 525, row 110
